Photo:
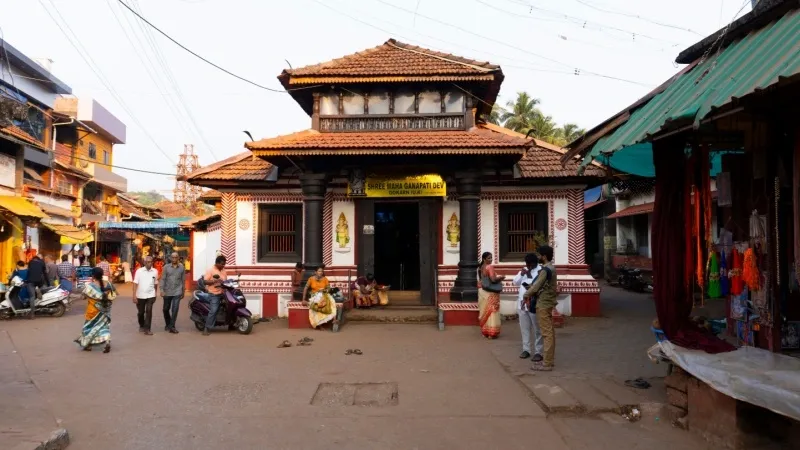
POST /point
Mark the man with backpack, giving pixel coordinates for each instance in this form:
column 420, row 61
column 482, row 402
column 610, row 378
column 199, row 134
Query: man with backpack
column 542, row 298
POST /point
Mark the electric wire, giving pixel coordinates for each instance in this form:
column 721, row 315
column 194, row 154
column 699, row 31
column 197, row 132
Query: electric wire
column 576, row 70
column 136, row 13
column 175, row 85
column 87, row 58
column 636, row 16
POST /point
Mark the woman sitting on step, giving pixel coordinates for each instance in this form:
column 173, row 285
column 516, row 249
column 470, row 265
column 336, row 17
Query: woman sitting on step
column 316, row 295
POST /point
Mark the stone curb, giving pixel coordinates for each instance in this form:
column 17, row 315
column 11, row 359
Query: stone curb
column 58, row 440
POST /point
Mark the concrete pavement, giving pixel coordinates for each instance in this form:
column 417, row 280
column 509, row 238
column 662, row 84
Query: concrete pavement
column 453, row 389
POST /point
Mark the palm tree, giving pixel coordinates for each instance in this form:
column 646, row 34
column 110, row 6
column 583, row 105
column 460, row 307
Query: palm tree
column 544, row 128
column 521, row 113
column 570, row 132
column 494, row 115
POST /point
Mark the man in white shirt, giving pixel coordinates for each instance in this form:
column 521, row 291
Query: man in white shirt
column 527, row 318
column 145, row 290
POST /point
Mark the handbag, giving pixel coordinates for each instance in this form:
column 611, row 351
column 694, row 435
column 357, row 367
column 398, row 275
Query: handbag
column 488, row 285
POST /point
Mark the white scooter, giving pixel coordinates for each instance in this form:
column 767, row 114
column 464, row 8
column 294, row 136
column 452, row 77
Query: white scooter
column 54, row 302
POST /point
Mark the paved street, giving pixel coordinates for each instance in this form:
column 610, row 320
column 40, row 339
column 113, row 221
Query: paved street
column 450, row 389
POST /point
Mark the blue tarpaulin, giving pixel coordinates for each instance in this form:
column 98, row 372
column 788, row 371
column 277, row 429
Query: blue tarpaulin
column 155, row 225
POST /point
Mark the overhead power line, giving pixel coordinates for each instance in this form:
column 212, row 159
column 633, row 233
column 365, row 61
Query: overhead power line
column 576, row 70
column 87, row 58
column 580, row 22
column 78, row 158
column 136, row 13
column 636, row 16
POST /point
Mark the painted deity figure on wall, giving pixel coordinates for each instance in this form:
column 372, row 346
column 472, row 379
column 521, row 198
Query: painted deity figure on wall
column 453, row 231
column 342, row 231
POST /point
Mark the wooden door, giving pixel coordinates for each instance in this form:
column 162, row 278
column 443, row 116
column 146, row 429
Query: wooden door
column 429, row 234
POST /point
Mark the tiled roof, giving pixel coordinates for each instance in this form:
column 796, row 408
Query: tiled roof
column 543, row 160
column 210, row 195
column 130, row 207
column 394, row 58
column 18, row 133
column 202, row 220
column 311, row 142
column 645, row 208
column 172, row 209
column 242, row 167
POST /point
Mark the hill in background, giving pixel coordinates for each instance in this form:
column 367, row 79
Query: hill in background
column 146, row 198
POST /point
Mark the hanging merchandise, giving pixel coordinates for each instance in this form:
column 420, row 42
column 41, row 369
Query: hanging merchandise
column 735, row 274
column 758, row 232
column 714, row 288
column 86, row 251
column 750, row 273
column 739, row 305
column 724, row 282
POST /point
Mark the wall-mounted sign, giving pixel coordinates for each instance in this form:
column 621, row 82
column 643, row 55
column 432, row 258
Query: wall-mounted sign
column 369, row 229
column 429, row 185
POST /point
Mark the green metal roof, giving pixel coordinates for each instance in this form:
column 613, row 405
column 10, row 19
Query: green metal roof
column 757, row 61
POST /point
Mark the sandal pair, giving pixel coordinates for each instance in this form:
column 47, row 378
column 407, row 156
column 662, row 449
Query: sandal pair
column 353, row 352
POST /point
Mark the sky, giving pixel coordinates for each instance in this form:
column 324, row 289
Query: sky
column 584, row 59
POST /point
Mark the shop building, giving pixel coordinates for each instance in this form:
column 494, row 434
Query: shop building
column 735, row 101
column 398, row 175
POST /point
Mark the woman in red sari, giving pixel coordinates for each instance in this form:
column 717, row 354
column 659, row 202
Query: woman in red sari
column 488, row 301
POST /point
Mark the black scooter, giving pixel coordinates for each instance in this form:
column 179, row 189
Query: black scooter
column 633, row 280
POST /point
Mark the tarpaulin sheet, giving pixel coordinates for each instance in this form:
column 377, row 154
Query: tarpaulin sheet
column 752, row 375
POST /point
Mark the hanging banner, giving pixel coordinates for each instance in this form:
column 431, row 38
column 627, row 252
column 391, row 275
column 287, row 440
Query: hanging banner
column 396, row 186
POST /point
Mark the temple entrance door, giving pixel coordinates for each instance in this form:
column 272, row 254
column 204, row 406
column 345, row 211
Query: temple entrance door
column 397, row 249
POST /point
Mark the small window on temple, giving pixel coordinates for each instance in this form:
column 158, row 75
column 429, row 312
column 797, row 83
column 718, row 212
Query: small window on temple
column 430, row 102
column 404, row 103
column 454, row 102
column 329, row 104
column 379, row 103
column 353, row 103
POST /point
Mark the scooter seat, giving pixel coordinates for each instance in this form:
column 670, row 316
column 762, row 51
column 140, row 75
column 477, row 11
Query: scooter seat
column 47, row 289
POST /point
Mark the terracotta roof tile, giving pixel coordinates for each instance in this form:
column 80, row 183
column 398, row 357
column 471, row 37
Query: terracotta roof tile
column 420, row 142
column 210, row 195
column 19, row 133
column 645, row 208
column 543, row 160
column 397, row 59
column 171, row 209
column 242, row 167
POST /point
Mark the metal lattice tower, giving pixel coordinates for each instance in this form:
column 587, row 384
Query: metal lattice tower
column 184, row 192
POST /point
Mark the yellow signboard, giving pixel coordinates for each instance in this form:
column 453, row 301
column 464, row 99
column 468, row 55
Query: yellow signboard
column 388, row 186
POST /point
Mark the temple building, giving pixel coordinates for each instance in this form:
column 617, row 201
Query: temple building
column 398, row 175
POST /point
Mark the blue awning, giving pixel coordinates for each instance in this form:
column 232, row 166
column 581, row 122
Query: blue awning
column 170, row 227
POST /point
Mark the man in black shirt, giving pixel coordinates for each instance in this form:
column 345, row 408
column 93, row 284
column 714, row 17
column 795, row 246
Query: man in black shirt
column 37, row 278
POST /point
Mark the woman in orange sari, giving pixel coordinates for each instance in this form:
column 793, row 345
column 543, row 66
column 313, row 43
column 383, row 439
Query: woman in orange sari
column 488, row 299
column 321, row 305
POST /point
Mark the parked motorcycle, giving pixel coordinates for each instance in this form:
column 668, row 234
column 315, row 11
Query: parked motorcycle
column 232, row 312
column 54, row 301
column 118, row 275
column 633, row 280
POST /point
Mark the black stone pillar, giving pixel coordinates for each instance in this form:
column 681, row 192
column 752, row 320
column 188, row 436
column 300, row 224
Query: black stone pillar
column 313, row 186
column 468, row 188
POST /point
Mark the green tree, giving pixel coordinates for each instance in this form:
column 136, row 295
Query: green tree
column 568, row 133
column 544, row 128
column 495, row 116
column 521, row 113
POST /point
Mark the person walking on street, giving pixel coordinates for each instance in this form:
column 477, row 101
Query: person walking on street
column 542, row 298
column 103, row 264
column 52, row 270
column 527, row 317
column 66, row 273
column 145, row 290
column 37, row 278
column 173, row 279
column 215, row 290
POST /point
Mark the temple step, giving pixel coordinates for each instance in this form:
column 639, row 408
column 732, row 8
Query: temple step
column 394, row 314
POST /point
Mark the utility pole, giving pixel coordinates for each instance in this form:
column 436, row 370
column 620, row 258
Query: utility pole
column 184, row 192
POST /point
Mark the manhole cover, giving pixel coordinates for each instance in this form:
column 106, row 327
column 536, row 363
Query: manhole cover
column 355, row 394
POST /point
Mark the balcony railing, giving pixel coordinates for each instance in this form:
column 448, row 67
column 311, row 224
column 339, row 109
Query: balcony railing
column 392, row 122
